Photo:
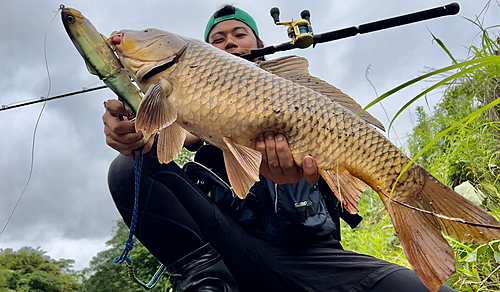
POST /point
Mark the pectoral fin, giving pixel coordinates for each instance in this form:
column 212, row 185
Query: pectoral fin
column 242, row 165
column 346, row 187
column 170, row 142
column 155, row 111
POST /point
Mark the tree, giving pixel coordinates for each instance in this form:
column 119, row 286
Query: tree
column 105, row 275
column 29, row 269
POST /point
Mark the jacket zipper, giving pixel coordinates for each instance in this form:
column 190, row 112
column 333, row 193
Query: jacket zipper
column 276, row 198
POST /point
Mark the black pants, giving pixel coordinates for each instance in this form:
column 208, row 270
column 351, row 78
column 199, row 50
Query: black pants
column 175, row 218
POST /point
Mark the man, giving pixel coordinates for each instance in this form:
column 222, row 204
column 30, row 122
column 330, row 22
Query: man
column 221, row 243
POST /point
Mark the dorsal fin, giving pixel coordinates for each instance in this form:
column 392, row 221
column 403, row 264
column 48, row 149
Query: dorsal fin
column 296, row 69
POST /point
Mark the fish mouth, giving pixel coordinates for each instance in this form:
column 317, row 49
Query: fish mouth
column 116, row 38
column 162, row 65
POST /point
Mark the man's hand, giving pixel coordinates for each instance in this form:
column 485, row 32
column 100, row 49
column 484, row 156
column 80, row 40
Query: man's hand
column 121, row 134
column 278, row 164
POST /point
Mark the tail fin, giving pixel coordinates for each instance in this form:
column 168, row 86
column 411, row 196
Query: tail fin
column 427, row 250
column 440, row 199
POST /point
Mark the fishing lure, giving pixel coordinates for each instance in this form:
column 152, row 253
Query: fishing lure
column 99, row 57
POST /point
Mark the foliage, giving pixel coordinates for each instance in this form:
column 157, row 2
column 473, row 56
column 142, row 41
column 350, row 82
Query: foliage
column 183, row 157
column 105, row 275
column 477, row 267
column 470, row 152
column 375, row 235
column 459, row 142
column 29, row 269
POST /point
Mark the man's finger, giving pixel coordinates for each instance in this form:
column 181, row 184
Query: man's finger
column 272, row 157
column 125, row 148
column 260, row 145
column 310, row 169
column 285, row 157
column 117, row 126
column 115, row 107
column 127, row 138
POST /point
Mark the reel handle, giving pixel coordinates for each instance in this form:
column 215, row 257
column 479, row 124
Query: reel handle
column 305, row 14
column 275, row 14
column 450, row 9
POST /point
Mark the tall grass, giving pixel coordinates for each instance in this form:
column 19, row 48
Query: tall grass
column 375, row 235
column 459, row 142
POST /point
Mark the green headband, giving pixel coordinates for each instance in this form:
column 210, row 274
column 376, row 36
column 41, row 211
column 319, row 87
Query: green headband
column 238, row 15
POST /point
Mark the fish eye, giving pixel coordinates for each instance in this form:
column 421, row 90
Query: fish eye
column 70, row 19
column 146, row 30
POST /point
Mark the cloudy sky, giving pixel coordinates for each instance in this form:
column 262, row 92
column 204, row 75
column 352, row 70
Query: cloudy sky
column 67, row 209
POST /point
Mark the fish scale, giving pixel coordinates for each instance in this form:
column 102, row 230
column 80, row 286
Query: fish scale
column 228, row 101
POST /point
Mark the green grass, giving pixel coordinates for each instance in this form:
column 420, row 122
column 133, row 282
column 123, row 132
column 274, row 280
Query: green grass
column 458, row 141
column 375, row 235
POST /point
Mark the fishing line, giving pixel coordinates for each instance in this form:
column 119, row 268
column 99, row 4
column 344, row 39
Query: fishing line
column 367, row 72
column 87, row 87
column 284, row 35
column 459, row 220
column 36, row 125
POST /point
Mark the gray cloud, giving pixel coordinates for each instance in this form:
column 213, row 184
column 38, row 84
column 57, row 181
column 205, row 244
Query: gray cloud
column 67, row 201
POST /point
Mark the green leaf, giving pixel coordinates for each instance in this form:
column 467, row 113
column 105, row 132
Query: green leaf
column 481, row 62
column 469, row 192
column 489, row 187
column 441, row 44
column 472, row 257
column 497, row 257
column 442, row 83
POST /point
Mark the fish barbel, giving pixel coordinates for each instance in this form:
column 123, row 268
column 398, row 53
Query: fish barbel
column 227, row 101
column 100, row 57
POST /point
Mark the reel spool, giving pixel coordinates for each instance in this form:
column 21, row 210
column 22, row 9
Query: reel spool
column 300, row 31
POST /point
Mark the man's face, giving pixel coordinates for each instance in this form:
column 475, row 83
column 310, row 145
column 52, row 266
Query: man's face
column 234, row 37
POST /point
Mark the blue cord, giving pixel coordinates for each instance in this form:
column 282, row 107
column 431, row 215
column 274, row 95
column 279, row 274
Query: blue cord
column 129, row 243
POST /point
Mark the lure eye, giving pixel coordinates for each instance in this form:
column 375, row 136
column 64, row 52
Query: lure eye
column 70, row 19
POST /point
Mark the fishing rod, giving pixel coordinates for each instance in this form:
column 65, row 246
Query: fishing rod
column 43, row 99
column 300, row 31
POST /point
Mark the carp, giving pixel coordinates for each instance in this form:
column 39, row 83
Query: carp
column 227, row 101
